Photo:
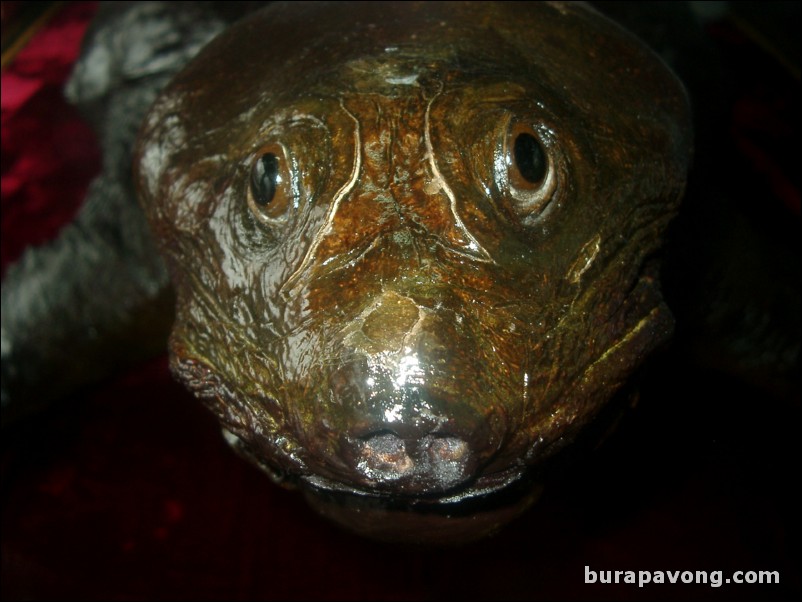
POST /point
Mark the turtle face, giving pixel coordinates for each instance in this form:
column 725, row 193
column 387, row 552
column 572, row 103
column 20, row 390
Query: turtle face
column 409, row 274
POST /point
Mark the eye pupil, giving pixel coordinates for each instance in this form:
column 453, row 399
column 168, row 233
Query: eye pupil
column 265, row 179
column 530, row 158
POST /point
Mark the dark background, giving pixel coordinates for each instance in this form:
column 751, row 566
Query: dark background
column 127, row 491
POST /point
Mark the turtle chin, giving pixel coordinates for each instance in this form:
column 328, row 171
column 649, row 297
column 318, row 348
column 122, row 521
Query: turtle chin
column 405, row 510
column 460, row 515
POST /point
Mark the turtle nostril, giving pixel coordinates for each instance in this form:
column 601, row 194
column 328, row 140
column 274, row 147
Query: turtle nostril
column 434, row 462
column 447, row 449
column 384, row 456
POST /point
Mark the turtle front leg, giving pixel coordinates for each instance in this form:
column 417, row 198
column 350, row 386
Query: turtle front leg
column 80, row 308
column 98, row 297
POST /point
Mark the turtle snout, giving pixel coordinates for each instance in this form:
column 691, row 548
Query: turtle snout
column 409, row 440
column 424, row 462
column 399, row 417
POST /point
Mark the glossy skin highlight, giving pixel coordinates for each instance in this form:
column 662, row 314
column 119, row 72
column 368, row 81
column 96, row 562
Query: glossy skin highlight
column 413, row 324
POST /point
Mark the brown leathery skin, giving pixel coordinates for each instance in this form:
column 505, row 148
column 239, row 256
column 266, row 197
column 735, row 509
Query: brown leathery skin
column 410, row 325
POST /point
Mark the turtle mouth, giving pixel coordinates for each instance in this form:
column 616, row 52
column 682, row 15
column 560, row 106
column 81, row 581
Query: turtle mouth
column 458, row 516
column 481, row 487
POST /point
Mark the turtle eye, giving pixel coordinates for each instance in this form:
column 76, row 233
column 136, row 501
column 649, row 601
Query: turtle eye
column 529, row 160
column 270, row 190
column 526, row 173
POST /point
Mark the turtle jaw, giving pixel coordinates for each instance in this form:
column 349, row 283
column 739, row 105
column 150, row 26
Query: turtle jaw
column 456, row 517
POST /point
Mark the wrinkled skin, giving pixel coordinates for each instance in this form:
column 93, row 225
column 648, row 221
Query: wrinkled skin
column 411, row 326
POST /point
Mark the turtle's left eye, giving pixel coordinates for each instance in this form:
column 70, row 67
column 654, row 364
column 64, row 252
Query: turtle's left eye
column 270, row 190
column 529, row 160
column 527, row 173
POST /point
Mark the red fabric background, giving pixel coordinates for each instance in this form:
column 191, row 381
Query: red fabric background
column 48, row 154
column 126, row 491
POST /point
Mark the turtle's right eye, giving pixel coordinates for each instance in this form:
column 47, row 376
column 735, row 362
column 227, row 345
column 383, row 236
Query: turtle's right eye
column 270, row 192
